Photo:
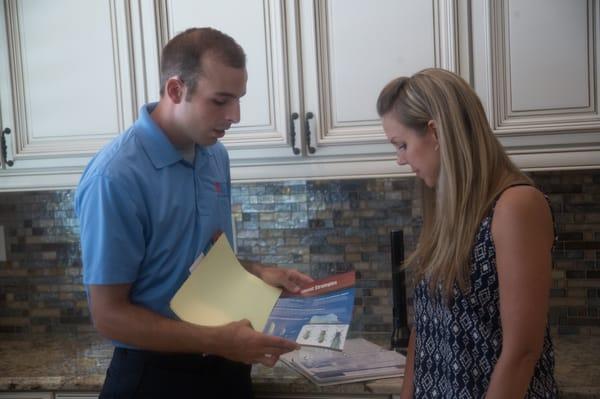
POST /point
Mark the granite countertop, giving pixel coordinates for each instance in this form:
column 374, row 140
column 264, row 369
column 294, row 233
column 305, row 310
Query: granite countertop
column 78, row 363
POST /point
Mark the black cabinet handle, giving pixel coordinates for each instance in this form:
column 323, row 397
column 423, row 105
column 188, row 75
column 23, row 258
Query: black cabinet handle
column 293, row 133
column 311, row 150
column 5, row 132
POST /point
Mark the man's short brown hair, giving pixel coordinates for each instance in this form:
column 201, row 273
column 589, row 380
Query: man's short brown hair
column 183, row 55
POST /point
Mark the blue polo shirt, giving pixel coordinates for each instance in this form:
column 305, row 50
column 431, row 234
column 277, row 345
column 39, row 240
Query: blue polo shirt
column 145, row 213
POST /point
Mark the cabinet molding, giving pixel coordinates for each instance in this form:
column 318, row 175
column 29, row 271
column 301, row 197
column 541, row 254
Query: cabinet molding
column 501, row 66
column 380, row 167
column 537, row 75
column 26, row 395
column 324, row 66
column 37, row 133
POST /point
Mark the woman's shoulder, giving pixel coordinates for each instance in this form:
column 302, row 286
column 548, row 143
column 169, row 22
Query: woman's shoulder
column 522, row 197
column 521, row 210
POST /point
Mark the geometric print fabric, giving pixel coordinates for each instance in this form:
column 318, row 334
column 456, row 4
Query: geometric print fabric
column 458, row 343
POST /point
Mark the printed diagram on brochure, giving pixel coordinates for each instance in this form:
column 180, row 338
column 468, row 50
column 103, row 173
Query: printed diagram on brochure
column 319, row 315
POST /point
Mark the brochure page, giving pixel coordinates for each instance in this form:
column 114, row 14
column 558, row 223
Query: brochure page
column 319, row 315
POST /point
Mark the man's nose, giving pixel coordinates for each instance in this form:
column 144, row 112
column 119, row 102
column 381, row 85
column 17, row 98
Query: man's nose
column 233, row 112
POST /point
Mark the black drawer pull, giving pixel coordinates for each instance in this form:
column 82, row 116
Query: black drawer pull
column 5, row 132
column 293, row 133
column 311, row 150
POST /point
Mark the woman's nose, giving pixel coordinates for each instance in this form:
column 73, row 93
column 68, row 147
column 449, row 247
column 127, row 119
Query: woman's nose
column 401, row 159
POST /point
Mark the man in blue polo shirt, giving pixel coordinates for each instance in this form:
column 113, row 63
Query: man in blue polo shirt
column 149, row 203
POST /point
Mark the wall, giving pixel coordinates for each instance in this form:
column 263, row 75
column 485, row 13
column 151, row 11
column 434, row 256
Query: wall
column 319, row 227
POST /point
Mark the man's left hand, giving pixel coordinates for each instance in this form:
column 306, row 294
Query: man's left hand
column 289, row 279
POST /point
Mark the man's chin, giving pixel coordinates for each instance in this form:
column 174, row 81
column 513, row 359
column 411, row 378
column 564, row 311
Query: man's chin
column 207, row 141
column 219, row 134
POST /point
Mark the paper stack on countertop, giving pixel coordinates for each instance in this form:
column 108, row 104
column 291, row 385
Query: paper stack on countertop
column 361, row 360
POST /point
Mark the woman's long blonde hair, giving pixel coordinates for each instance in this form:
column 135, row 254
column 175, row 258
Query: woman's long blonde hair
column 474, row 169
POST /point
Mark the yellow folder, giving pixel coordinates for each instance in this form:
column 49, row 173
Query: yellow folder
column 220, row 290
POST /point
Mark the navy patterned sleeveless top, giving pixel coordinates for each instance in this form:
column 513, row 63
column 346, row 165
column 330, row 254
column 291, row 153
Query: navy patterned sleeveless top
column 458, row 344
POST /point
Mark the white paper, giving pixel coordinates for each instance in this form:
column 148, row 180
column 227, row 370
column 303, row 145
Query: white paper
column 361, row 360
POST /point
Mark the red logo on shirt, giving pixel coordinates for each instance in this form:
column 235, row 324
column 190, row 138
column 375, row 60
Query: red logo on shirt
column 217, row 187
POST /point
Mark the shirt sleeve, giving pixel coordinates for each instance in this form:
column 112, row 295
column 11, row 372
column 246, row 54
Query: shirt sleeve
column 112, row 234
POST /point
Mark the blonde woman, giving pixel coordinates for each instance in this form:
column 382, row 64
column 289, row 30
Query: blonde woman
column 483, row 260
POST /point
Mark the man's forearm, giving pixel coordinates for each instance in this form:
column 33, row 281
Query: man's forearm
column 136, row 326
column 144, row 329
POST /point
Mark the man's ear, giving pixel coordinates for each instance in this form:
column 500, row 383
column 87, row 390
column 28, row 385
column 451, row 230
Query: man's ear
column 175, row 90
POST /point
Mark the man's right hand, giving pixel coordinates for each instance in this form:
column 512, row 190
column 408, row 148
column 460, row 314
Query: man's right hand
column 241, row 343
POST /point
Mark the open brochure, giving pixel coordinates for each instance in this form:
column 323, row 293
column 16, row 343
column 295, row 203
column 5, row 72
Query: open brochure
column 220, row 290
column 319, row 315
column 360, row 360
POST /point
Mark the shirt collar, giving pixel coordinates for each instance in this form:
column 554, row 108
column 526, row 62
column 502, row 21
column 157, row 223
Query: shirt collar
column 159, row 148
column 156, row 144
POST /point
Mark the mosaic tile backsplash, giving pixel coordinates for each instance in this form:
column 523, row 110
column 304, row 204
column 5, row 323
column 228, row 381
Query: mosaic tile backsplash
column 318, row 227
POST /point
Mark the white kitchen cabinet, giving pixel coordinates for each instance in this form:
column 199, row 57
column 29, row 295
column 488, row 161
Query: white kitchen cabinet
column 533, row 63
column 350, row 50
column 66, row 87
column 73, row 75
column 323, row 62
column 536, row 67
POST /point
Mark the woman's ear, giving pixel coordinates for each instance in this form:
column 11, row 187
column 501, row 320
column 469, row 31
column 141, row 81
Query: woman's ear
column 175, row 89
column 432, row 127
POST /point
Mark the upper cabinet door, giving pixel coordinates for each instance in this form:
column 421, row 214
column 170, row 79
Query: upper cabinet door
column 65, row 86
column 536, row 68
column 351, row 49
column 259, row 27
